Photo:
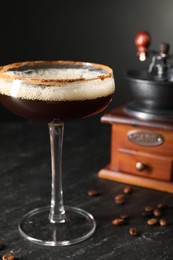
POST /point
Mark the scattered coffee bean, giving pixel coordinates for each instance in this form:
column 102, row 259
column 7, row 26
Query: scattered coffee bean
column 125, row 216
column 93, row 193
column 120, row 198
column 152, row 221
column 161, row 206
column 127, row 189
column 163, row 222
column 8, row 256
column 157, row 213
column 133, row 231
column 148, row 209
column 118, row 221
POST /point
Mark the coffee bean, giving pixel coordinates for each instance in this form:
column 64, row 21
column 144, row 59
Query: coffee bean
column 124, row 216
column 8, row 256
column 93, row 193
column 163, row 222
column 157, row 213
column 148, row 209
column 118, row 221
column 152, row 221
column 120, row 198
column 127, row 189
column 161, row 206
column 133, row 231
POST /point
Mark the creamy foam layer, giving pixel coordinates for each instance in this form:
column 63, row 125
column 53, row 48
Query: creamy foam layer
column 90, row 88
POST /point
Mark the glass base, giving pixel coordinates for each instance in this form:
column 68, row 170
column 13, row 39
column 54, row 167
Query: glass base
column 36, row 227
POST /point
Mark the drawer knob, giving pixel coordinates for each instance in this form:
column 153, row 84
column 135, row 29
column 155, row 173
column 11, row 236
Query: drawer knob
column 140, row 166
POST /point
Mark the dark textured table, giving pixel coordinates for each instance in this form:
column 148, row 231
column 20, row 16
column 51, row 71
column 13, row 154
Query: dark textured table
column 25, row 185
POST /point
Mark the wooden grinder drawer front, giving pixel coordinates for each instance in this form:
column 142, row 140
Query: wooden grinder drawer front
column 147, row 165
column 120, row 139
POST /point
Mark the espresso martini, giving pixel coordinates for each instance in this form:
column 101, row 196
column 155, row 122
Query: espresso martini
column 56, row 91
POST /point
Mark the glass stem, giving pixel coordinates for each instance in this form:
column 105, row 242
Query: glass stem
column 57, row 211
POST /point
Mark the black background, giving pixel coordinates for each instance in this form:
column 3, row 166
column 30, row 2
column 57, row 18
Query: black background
column 100, row 31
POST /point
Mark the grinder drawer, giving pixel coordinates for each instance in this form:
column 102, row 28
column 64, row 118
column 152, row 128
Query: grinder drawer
column 144, row 164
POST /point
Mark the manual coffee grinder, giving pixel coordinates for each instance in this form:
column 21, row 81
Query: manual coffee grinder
column 142, row 130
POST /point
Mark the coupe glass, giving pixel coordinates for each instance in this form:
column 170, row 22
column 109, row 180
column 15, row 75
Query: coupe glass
column 56, row 91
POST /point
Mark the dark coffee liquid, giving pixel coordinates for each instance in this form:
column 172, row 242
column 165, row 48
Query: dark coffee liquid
column 52, row 110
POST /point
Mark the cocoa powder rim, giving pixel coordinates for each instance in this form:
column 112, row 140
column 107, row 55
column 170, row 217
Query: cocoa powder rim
column 54, row 82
